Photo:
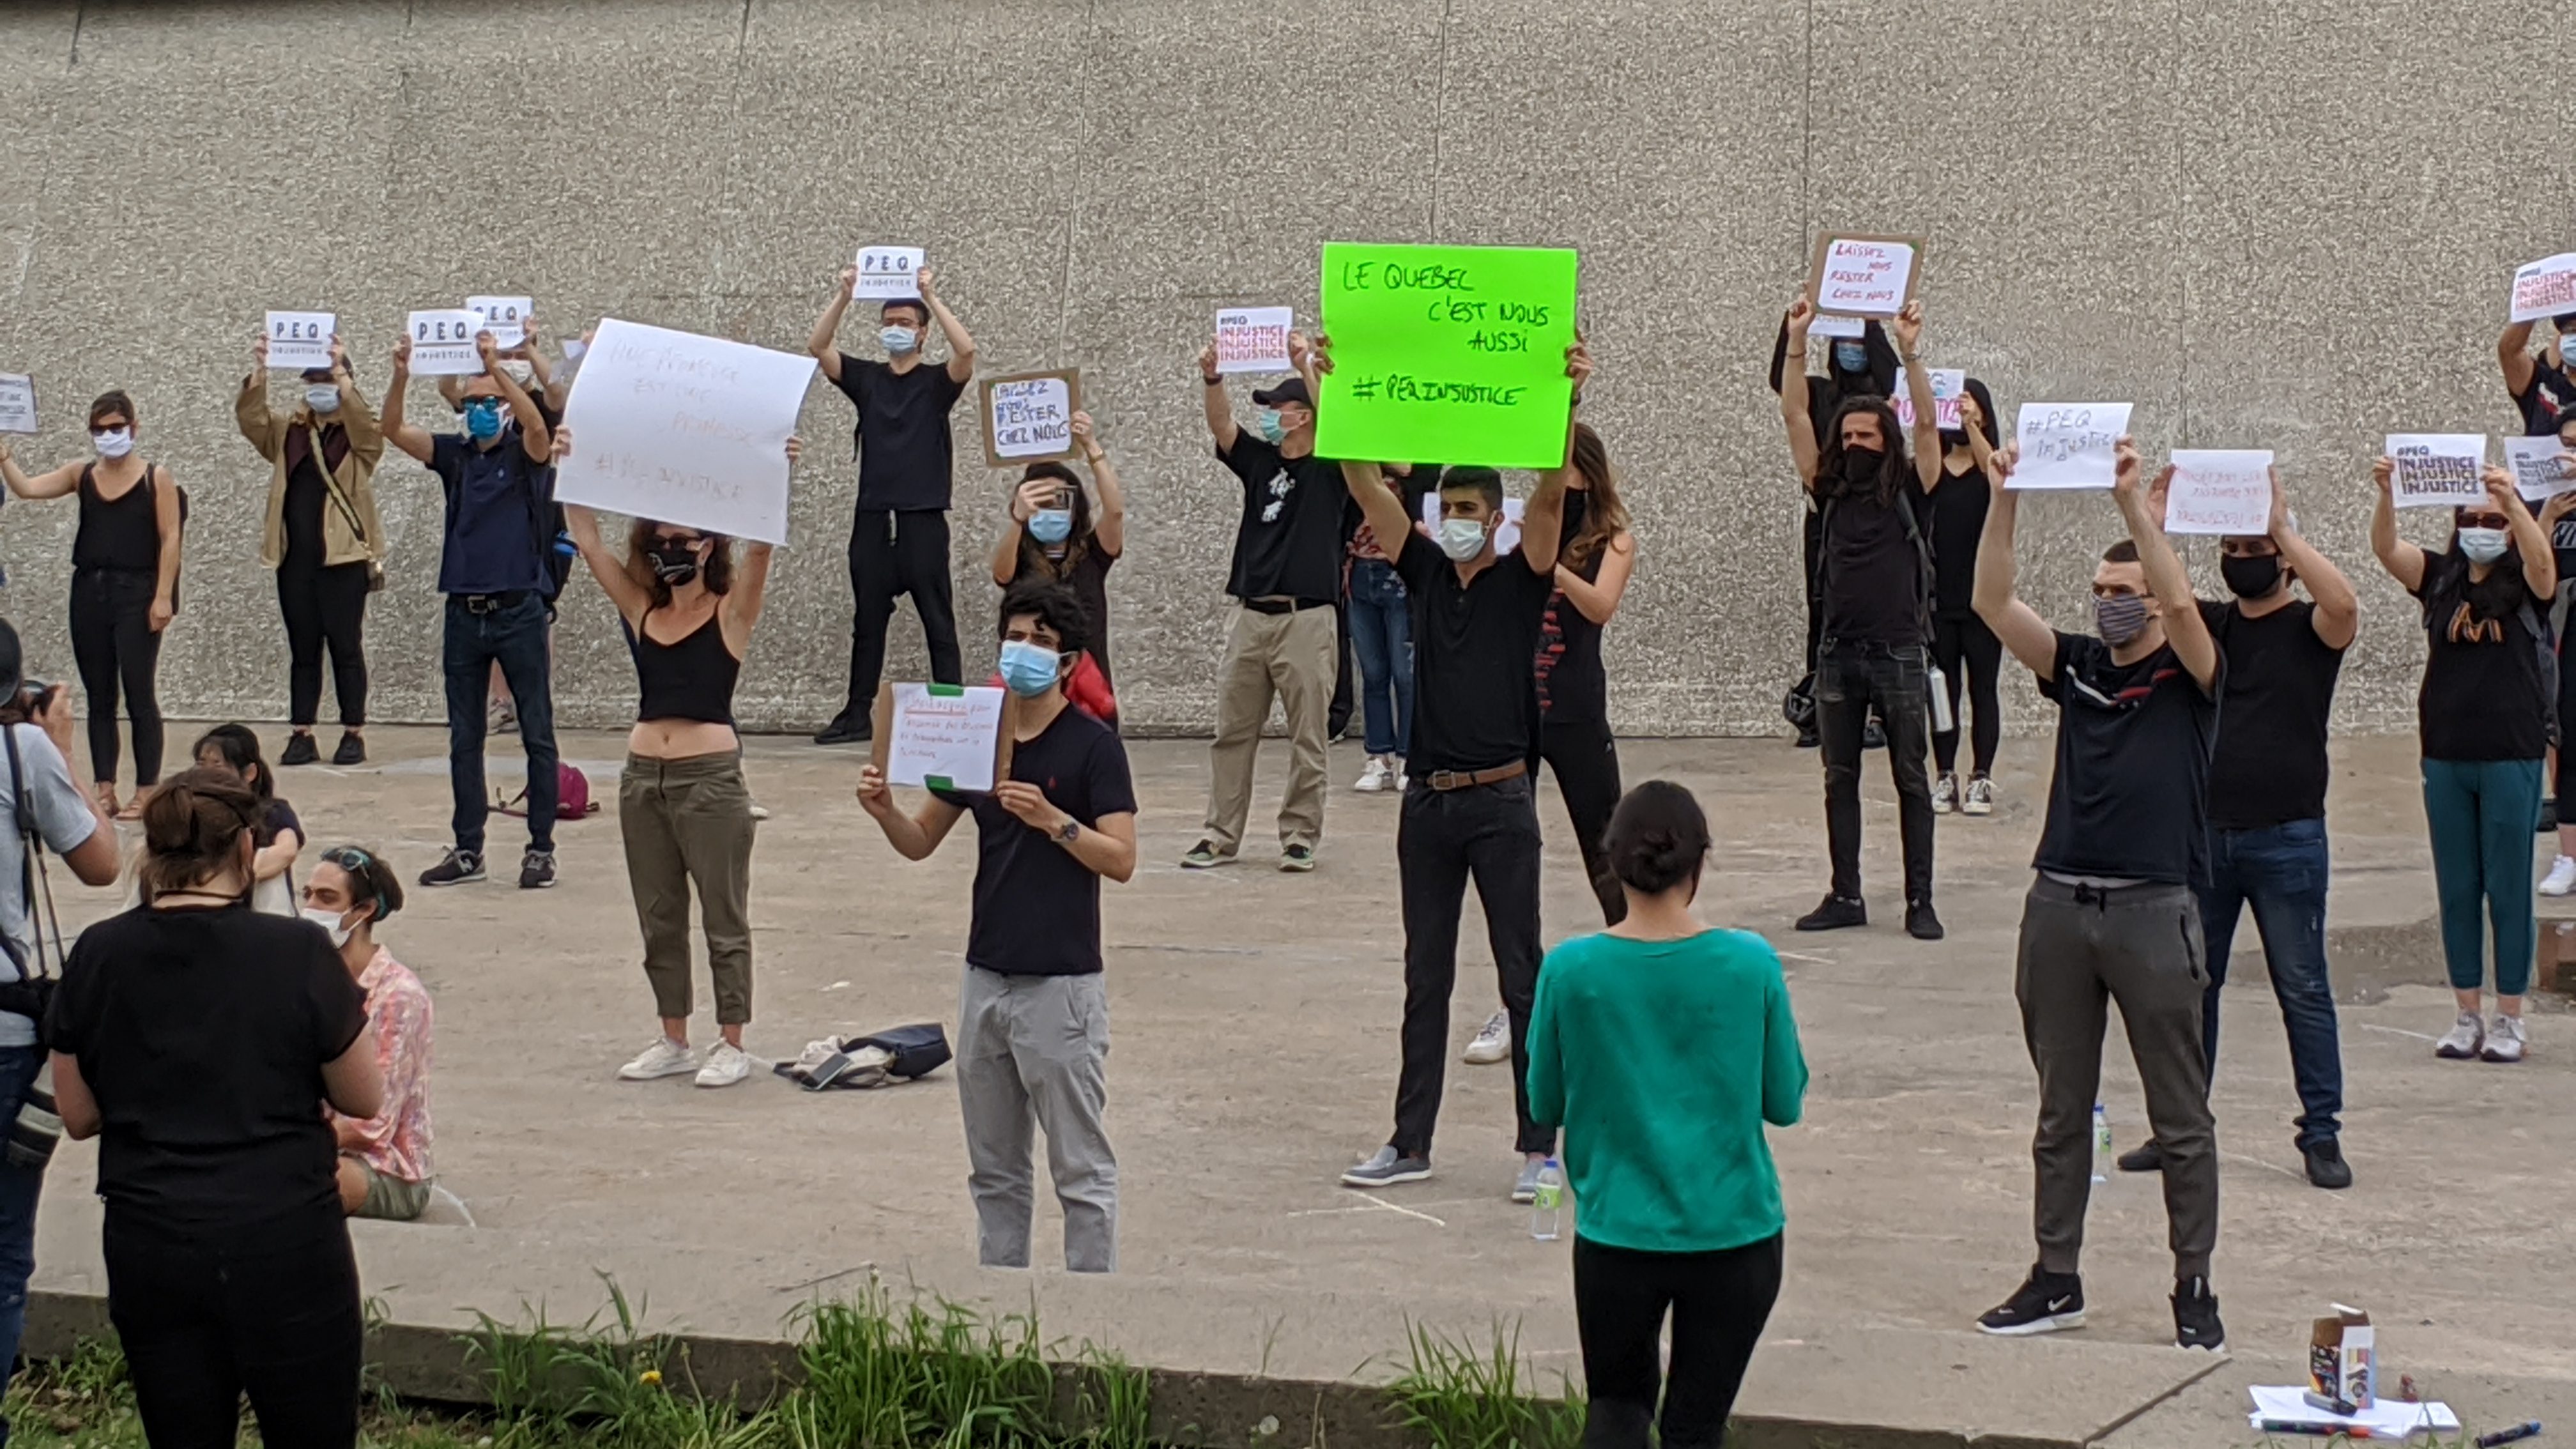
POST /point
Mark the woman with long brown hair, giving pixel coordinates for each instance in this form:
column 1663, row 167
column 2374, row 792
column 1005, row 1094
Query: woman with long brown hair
column 682, row 806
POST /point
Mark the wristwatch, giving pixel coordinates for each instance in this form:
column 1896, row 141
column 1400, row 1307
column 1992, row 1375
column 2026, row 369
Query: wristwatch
column 1069, row 832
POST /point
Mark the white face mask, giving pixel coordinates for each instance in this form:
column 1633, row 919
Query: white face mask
column 2484, row 545
column 114, row 443
column 1461, row 538
column 323, row 397
column 331, row 925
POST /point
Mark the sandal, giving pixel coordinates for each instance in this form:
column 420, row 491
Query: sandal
column 134, row 808
column 105, row 794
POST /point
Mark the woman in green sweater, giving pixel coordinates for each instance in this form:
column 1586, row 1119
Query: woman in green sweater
column 1661, row 1046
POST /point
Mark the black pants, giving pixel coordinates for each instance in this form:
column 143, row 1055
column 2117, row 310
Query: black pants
column 2563, row 783
column 113, row 644
column 1719, row 1302
column 1850, row 678
column 1337, row 715
column 324, row 606
column 1585, row 760
column 203, row 1321
column 891, row 555
column 1443, row 837
column 1967, row 650
column 1815, row 543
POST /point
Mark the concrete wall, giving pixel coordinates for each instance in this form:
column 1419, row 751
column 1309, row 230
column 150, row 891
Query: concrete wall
column 2283, row 225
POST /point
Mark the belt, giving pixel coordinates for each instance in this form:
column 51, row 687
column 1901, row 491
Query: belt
column 1446, row 780
column 491, row 603
column 1285, row 606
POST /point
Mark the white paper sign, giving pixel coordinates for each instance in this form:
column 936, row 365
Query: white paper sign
column 2545, row 288
column 1947, row 384
column 1253, row 339
column 299, row 340
column 506, row 318
column 1507, row 534
column 17, row 403
column 2221, row 491
column 2534, row 463
column 2437, row 470
column 945, row 736
column 1839, row 327
column 1032, row 417
column 2069, row 445
column 684, row 429
column 442, row 343
column 1864, row 278
column 890, row 274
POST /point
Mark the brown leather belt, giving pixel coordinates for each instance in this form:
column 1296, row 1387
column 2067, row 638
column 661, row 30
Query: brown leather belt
column 1465, row 779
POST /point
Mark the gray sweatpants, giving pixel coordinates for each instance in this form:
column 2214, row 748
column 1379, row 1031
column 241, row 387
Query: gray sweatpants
column 1030, row 1051
column 2083, row 947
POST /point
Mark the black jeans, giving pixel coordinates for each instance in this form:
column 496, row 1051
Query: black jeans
column 1585, row 760
column 1851, row 676
column 893, row 554
column 1718, row 1301
column 113, row 644
column 205, row 1319
column 1489, row 832
column 1966, row 649
column 324, row 606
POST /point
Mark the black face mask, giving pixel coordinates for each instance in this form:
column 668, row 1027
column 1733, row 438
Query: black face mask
column 2251, row 578
column 675, row 561
column 1861, row 466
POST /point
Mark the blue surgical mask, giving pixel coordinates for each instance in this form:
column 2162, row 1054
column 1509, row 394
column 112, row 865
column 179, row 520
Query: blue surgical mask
column 2119, row 618
column 1051, row 525
column 2484, row 545
column 1850, row 356
column 1462, row 538
column 1029, row 669
column 1272, row 427
column 323, row 397
column 483, row 418
column 898, row 340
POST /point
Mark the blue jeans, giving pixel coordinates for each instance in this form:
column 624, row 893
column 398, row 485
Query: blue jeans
column 2281, row 871
column 2481, row 814
column 514, row 636
column 18, row 1189
column 1382, row 629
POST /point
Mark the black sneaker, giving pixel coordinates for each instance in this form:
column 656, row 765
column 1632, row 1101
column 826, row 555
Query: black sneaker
column 1297, row 859
column 2044, row 1303
column 458, row 868
column 536, row 870
column 2196, row 1322
column 352, row 751
column 1808, row 739
column 299, row 749
column 1920, row 923
column 2548, row 815
column 1836, row 913
column 2326, row 1167
column 846, row 731
column 2145, row 1157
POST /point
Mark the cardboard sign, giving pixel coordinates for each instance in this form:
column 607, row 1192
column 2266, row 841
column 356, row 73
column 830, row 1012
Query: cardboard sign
column 1863, row 276
column 300, row 340
column 1029, row 416
column 1447, row 354
column 1507, row 533
column 442, row 343
column 2545, row 288
column 506, row 318
column 1253, row 339
column 1947, row 384
column 2437, row 470
column 683, row 429
column 888, row 274
column 944, row 736
column 17, row 403
column 2539, row 472
column 2224, row 491
column 2069, row 445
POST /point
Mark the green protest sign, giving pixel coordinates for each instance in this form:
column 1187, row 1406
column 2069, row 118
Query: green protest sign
column 1447, row 354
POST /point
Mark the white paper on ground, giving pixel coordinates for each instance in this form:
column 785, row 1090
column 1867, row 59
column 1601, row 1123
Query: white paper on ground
column 2388, row 1418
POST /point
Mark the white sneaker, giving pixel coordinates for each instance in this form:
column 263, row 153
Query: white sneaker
column 1980, row 799
column 664, row 1058
column 1401, row 779
column 1492, row 1044
column 759, row 811
column 2561, row 878
column 1945, row 793
column 1376, row 777
column 2462, row 1041
column 2505, row 1039
column 726, row 1065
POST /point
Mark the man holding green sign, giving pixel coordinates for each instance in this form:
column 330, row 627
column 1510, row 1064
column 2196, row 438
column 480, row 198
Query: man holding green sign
column 1447, row 354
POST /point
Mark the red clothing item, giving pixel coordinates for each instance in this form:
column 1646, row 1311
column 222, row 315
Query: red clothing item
column 1087, row 690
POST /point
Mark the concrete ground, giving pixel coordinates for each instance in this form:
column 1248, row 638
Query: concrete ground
column 1255, row 1019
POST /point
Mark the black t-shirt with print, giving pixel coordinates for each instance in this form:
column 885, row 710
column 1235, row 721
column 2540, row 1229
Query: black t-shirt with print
column 2541, row 403
column 905, row 452
column 1475, row 683
column 1037, row 909
column 2130, row 797
column 2270, row 763
column 2483, row 696
column 1289, row 543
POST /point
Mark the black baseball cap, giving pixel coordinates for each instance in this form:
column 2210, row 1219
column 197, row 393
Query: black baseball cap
column 1291, row 391
column 319, row 374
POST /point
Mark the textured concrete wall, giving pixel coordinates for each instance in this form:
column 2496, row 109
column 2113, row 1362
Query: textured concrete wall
column 2277, row 225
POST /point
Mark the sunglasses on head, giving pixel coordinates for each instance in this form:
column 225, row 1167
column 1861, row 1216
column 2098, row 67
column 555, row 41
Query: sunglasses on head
column 2483, row 520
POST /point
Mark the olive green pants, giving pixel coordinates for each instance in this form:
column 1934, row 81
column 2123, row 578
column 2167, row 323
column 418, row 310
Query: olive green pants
column 689, row 820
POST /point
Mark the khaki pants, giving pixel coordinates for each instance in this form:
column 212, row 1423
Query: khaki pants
column 1291, row 656
column 690, row 820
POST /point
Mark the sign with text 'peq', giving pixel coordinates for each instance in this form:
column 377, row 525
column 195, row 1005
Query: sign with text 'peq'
column 1447, row 354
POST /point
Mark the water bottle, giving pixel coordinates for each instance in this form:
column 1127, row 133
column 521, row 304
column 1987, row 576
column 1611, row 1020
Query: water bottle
column 2101, row 1144
column 1547, row 1206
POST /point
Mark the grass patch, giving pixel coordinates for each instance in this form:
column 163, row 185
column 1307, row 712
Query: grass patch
column 1454, row 1394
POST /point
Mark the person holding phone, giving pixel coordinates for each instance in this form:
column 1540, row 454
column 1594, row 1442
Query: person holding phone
column 1052, row 531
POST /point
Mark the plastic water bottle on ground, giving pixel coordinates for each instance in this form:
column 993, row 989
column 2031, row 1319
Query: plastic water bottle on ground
column 1547, row 1208
column 2101, row 1144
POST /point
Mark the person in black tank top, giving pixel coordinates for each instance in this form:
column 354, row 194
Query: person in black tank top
column 687, row 610
column 125, row 587
column 1573, row 689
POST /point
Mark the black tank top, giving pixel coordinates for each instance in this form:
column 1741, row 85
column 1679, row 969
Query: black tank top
column 122, row 533
column 1572, row 686
column 692, row 679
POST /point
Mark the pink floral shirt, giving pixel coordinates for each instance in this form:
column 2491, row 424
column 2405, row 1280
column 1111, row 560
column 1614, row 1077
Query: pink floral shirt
column 397, row 1139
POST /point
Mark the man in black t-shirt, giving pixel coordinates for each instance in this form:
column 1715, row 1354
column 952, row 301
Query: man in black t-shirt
column 2540, row 385
column 899, row 536
column 1863, row 366
column 2111, row 916
column 1032, row 1017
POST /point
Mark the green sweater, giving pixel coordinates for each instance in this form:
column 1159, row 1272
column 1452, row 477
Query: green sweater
column 1662, row 1060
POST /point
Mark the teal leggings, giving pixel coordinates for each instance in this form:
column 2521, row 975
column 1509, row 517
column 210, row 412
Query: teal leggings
column 2482, row 814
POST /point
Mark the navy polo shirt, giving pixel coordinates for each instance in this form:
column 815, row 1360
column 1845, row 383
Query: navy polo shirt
column 497, row 502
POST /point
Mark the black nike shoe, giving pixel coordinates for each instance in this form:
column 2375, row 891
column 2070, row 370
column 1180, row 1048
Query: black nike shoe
column 2045, row 1303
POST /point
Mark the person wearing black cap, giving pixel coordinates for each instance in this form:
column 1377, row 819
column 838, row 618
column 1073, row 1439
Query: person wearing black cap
column 1286, row 577
column 899, row 536
column 1862, row 366
column 322, row 538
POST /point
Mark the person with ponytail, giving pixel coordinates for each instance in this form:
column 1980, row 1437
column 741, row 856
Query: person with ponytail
column 1663, row 1046
column 234, row 749
column 200, row 1041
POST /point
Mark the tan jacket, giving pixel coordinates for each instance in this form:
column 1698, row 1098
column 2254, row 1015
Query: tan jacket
column 351, row 489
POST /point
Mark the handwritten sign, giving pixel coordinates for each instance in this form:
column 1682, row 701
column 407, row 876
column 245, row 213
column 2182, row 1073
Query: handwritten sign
column 943, row 736
column 1947, row 384
column 2437, row 470
column 2221, row 491
column 888, row 274
column 2536, row 466
column 17, row 403
column 1447, row 354
column 1029, row 415
column 1838, row 327
column 1863, row 276
column 2069, row 445
column 442, row 343
column 1253, row 339
column 2545, row 288
column 506, row 318
column 300, row 340
column 684, row 429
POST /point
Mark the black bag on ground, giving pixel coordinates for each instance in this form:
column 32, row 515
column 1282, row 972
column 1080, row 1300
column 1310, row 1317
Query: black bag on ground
column 904, row 1053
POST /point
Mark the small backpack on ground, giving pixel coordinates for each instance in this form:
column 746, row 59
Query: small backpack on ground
column 901, row 1054
column 572, row 796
